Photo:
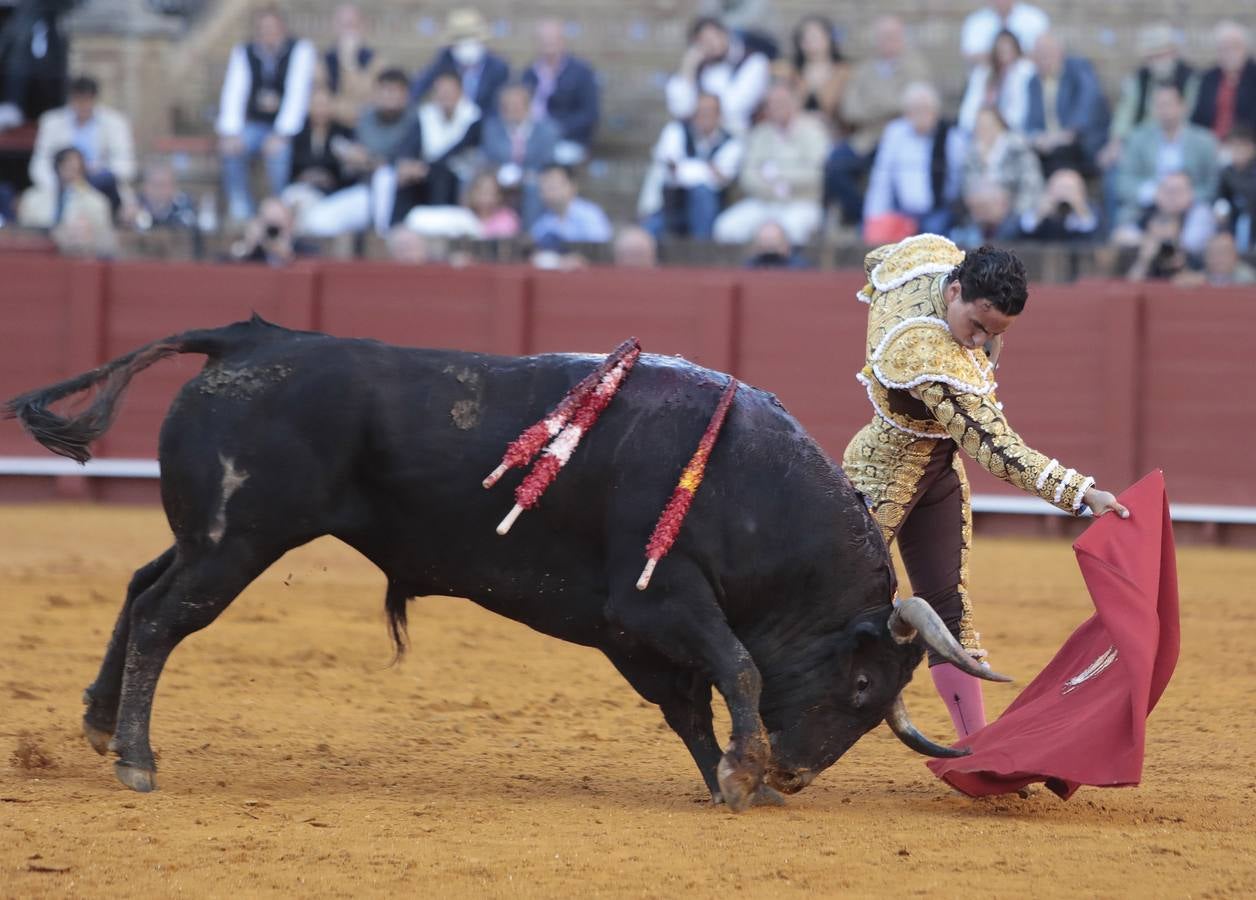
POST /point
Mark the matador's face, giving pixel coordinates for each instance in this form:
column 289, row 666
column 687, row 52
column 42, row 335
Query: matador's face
column 973, row 323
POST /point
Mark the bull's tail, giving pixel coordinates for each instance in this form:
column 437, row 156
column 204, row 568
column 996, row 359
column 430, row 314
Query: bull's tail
column 395, row 601
column 71, row 435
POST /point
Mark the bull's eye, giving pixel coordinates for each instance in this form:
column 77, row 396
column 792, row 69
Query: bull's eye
column 861, row 691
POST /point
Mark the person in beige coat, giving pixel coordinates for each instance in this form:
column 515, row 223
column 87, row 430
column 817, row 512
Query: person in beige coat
column 101, row 134
column 782, row 174
column 83, row 225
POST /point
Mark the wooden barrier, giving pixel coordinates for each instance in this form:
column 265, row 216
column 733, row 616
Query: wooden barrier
column 1109, row 377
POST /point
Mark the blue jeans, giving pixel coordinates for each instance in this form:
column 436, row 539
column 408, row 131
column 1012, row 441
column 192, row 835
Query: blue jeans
column 235, row 169
column 844, row 170
column 696, row 212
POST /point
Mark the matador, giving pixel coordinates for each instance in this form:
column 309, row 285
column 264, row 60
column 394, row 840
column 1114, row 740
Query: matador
column 936, row 317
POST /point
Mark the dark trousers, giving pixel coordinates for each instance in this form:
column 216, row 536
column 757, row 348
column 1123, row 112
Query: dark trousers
column 439, row 188
column 933, row 540
column 844, row 173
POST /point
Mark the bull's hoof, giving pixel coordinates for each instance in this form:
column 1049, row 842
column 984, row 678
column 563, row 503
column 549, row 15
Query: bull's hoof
column 98, row 738
column 737, row 784
column 140, row 780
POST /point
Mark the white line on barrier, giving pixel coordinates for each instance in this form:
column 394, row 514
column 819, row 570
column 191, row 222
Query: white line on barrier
column 40, row 466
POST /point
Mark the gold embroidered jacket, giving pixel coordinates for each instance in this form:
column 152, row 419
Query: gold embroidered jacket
column 925, row 386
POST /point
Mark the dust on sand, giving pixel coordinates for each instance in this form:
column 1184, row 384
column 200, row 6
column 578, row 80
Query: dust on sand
column 498, row 762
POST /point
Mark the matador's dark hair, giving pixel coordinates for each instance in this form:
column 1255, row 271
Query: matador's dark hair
column 990, row 273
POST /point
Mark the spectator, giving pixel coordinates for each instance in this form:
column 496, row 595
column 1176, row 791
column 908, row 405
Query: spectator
column 918, row 168
column 35, row 63
column 1064, row 212
column 518, row 145
column 1166, row 144
column 160, row 203
column 782, row 174
column 564, row 89
column 1227, row 92
column 692, row 166
column 483, row 215
column 268, row 237
column 316, row 168
column 348, row 68
column 771, row 249
column 818, row 71
column 1067, row 119
column 430, row 166
column 496, row 220
column 1237, row 194
column 265, row 97
column 481, row 72
column 101, row 135
column 716, row 62
column 1176, row 215
column 1161, row 256
column 635, row 248
column 1002, row 182
column 752, row 21
column 1162, row 64
column 384, row 129
column 1002, row 83
column 982, row 27
column 1222, row 265
column 406, row 246
column 82, row 223
column 568, row 217
column 873, row 99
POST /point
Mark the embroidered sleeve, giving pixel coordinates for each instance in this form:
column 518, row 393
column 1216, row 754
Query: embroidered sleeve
column 977, row 424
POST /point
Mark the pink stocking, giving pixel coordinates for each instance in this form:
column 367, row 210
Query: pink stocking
column 962, row 694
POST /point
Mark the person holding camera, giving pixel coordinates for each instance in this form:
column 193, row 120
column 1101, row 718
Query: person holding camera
column 1172, row 233
column 1064, row 212
column 1160, row 255
column 268, row 237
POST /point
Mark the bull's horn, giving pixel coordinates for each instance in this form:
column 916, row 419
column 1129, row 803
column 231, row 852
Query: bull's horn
column 906, row 732
column 914, row 615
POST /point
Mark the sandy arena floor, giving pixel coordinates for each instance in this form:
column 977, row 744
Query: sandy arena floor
column 496, row 762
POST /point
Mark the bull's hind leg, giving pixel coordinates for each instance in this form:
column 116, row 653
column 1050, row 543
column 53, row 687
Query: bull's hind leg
column 102, row 694
column 201, row 583
column 679, row 617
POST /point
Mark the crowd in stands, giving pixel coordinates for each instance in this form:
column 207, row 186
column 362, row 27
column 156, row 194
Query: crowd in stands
column 768, row 145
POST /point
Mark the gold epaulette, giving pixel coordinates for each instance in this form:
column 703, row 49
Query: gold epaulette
column 920, row 350
column 893, row 265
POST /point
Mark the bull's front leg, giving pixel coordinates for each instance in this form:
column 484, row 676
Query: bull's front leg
column 747, row 755
column 678, row 616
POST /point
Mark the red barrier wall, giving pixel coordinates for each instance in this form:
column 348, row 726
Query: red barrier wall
column 1111, row 378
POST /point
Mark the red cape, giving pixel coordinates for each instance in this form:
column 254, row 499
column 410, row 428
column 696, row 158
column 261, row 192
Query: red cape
column 1083, row 719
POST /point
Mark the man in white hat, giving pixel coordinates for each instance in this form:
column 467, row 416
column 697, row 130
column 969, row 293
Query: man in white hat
column 464, row 54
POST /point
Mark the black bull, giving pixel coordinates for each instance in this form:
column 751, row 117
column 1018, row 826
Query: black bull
column 777, row 592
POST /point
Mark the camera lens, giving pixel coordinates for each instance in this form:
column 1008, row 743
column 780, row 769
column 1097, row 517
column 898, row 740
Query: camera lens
column 272, row 231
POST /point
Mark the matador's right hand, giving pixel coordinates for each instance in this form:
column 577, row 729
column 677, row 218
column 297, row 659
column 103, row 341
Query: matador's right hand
column 1101, row 502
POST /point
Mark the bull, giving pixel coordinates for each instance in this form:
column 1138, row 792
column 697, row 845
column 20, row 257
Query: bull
column 778, row 592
